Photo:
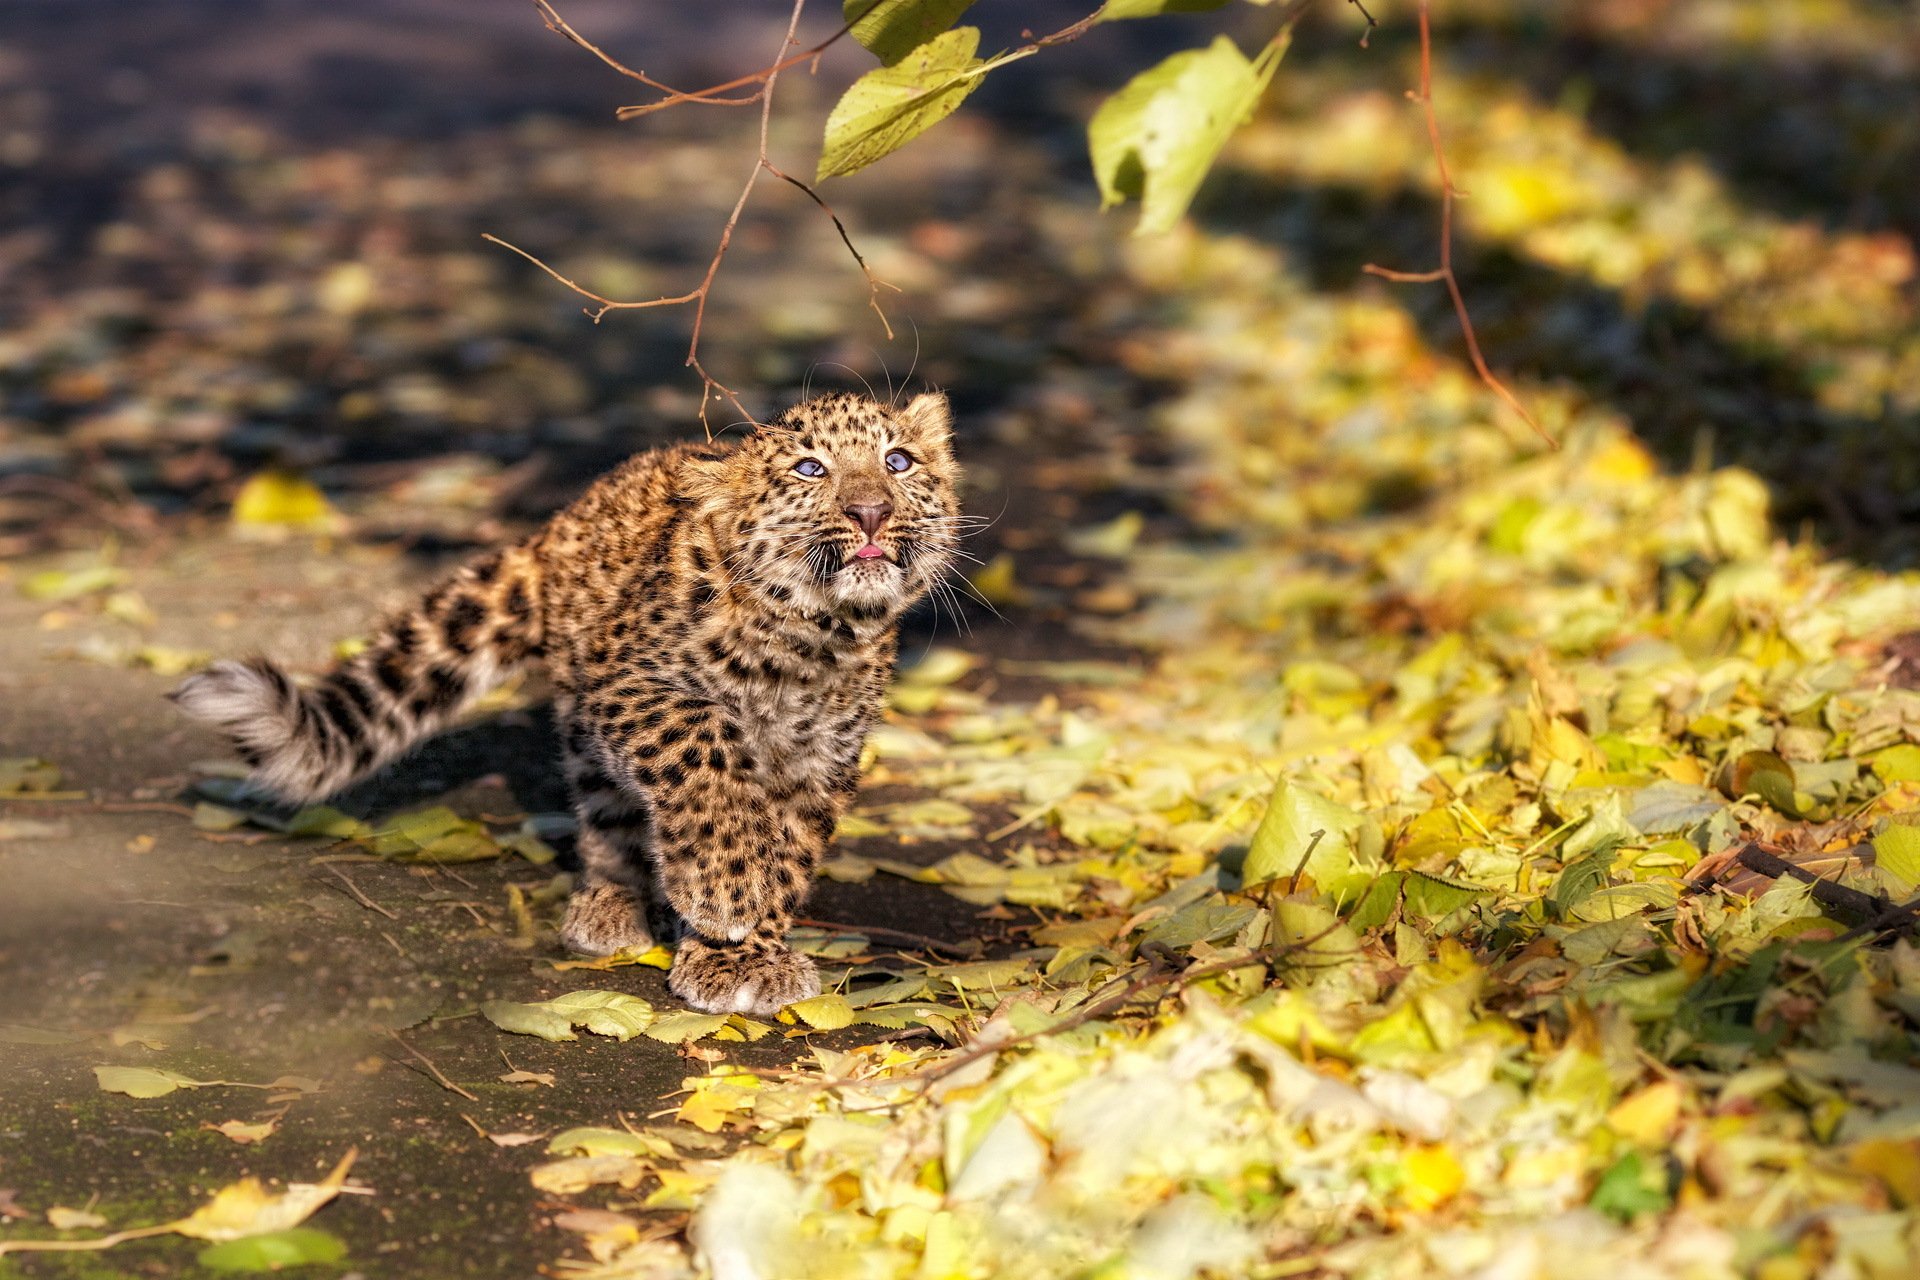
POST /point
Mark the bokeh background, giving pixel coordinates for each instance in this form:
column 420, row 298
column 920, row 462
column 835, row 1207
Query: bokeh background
column 242, row 235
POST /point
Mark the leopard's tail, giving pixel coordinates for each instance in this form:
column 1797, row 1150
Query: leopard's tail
column 307, row 742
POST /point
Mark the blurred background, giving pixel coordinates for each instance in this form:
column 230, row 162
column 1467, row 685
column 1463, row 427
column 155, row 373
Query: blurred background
column 239, row 236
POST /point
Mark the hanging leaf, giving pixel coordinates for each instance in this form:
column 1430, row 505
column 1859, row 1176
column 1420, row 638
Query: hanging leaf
column 1155, row 139
column 885, row 109
column 892, row 29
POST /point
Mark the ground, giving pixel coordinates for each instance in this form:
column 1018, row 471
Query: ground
column 1319, row 839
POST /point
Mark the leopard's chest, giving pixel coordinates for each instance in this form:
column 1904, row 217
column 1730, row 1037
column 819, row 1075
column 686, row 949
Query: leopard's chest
column 803, row 722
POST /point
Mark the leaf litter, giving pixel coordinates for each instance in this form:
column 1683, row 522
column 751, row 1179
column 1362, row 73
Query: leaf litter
column 1393, row 917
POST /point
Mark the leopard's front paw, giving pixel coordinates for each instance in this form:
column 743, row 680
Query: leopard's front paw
column 741, row 977
column 604, row 918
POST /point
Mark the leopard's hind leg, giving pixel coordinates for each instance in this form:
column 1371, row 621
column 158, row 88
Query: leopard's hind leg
column 616, row 905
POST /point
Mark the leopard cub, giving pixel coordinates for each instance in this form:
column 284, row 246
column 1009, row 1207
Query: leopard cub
column 719, row 623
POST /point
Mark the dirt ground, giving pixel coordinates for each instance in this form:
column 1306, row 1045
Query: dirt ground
column 130, row 937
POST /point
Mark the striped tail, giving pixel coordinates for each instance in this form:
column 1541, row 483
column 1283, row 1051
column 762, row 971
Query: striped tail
column 305, row 743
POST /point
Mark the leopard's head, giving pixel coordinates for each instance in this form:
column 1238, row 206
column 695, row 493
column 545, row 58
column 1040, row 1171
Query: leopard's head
column 840, row 505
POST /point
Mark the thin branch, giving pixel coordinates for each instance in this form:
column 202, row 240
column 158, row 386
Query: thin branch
column 1448, row 193
column 1857, row 908
column 606, row 304
column 560, row 25
column 359, row 896
column 764, row 77
column 874, row 283
column 432, row 1071
column 1293, row 885
column 711, row 387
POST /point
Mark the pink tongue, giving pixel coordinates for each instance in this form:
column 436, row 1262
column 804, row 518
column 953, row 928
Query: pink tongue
column 868, row 552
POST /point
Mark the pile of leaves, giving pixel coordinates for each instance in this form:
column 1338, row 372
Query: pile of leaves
column 1399, row 916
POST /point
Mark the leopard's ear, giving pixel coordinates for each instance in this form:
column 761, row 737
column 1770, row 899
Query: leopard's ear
column 702, row 477
column 928, row 419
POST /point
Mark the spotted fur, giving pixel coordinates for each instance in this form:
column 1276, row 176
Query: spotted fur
column 719, row 623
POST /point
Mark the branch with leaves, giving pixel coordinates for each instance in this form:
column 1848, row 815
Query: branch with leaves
column 1153, row 141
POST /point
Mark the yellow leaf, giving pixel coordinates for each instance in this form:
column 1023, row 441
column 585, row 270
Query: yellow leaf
column 1647, row 1117
column 61, row 1218
column 829, row 1012
column 1431, row 1177
column 1895, row 1163
column 246, row 1208
column 715, row 1099
column 996, row 584
column 577, row 1173
column 242, row 1132
column 280, row 499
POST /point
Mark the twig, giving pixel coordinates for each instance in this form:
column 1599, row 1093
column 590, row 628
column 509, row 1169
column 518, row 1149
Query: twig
column 432, row 1071
column 714, row 95
column 1856, row 907
column 1364, row 35
column 1892, row 919
column 921, row 941
column 1300, row 868
column 874, row 283
column 558, row 24
column 765, row 76
column 358, row 896
column 87, row 1246
column 1448, row 193
column 711, row 387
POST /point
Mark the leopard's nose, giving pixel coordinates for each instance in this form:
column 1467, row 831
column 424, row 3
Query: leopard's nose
column 869, row 516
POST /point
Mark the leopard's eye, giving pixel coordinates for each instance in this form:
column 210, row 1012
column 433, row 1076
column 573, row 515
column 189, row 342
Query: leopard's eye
column 899, row 460
column 812, row 468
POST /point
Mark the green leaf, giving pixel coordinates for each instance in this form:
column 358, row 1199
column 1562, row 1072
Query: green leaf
column 27, row 775
column 324, row 820
column 142, row 1082
column 894, row 28
column 887, row 108
column 213, row 817
column 1633, row 1186
column 1431, row 897
column 1767, row 775
column 54, row 585
column 605, row 1013
column 275, row 1251
column 1286, row 833
column 592, row 1141
column 1376, row 904
column 1155, row 139
column 1118, row 10
column 529, row 1019
column 1896, row 851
